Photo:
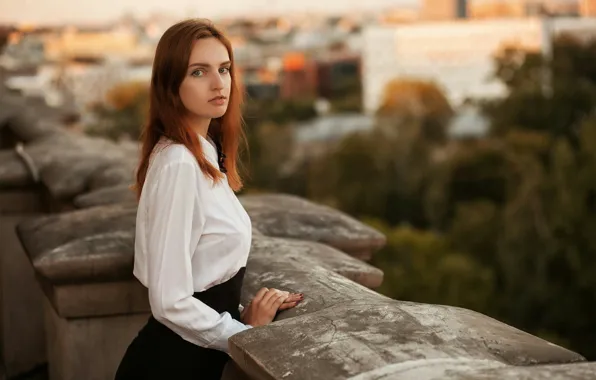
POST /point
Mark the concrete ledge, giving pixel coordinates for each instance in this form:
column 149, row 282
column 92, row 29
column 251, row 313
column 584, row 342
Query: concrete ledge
column 343, row 330
column 323, row 255
column 105, row 196
column 97, row 245
column 282, row 215
column 98, row 299
column 56, row 243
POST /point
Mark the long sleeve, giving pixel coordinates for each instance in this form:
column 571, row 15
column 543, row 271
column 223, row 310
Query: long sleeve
column 174, row 216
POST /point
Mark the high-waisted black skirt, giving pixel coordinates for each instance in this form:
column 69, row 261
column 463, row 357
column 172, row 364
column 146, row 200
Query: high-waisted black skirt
column 159, row 353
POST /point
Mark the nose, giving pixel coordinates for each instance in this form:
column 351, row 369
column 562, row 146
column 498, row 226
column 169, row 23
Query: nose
column 217, row 82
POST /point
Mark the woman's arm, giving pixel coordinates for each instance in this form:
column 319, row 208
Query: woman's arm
column 174, row 211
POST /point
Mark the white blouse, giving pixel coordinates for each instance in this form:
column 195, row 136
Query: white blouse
column 190, row 236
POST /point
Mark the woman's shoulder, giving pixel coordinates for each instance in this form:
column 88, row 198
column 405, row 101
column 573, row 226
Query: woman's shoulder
column 167, row 152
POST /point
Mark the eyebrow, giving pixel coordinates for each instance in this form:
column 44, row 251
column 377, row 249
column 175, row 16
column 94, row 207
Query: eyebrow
column 201, row 64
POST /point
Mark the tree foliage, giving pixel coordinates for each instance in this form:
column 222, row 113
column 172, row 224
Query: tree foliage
column 123, row 112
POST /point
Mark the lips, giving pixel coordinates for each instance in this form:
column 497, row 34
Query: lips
column 218, row 98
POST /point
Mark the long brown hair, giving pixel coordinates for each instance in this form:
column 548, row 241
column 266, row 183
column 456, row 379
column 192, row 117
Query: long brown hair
column 166, row 110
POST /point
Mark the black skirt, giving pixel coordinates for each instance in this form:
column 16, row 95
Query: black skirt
column 159, row 353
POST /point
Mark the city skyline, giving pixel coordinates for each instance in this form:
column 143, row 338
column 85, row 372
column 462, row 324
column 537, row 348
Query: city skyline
column 86, row 11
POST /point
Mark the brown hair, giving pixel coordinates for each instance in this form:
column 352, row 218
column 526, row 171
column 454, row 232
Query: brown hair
column 166, row 109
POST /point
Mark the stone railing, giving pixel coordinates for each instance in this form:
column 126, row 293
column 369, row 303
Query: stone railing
column 79, row 244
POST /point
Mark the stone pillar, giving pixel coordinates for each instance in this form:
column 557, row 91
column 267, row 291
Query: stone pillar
column 22, row 344
column 89, row 327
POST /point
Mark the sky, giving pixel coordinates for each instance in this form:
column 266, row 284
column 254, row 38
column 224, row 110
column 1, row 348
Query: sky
column 81, row 11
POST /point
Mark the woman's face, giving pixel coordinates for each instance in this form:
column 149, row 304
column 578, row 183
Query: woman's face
column 205, row 90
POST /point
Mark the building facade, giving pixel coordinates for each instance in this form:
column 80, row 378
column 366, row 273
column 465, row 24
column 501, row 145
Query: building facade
column 436, row 10
column 458, row 56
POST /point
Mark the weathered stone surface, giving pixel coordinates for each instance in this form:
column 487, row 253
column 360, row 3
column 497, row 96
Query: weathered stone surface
column 13, row 171
column 69, row 163
column 15, row 115
column 132, row 148
column 55, row 241
column 61, row 143
column 284, row 215
column 89, row 300
column 105, row 196
column 22, row 345
column 97, row 244
column 329, row 257
column 27, row 127
column 88, row 348
column 321, row 286
column 101, row 257
column 256, row 232
column 68, row 175
column 342, row 329
column 466, row 369
column 118, row 173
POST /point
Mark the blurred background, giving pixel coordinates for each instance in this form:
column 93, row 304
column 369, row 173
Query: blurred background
column 464, row 130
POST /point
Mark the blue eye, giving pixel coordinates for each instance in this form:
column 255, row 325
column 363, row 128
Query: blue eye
column 197, row 73
column 224, row 70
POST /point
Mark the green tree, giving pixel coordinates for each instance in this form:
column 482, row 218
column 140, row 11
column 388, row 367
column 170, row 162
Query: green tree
column 523, row 205
column 415, row 108
column 554, row 96
column 422, row 266
column 382, row 174
column 122, row 113
column 270, row 145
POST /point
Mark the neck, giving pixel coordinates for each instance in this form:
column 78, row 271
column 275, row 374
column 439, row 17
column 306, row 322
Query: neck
column 199, row 125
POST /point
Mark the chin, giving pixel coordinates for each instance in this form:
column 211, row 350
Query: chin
column 219, row 114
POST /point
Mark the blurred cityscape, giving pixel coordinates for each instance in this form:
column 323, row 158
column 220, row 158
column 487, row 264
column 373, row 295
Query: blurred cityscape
column 298, row 56
column 463, row 129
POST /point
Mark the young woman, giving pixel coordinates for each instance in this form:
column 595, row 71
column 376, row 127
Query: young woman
column 192, row 234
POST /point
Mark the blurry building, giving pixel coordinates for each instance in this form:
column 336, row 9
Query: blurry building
column 22, row 50
column 521, row 8
column 260, row 81
column 436, row 10
column 399, row 15
column 337, row 74
column 458, row 56
column 95, row 43
column 298, row 77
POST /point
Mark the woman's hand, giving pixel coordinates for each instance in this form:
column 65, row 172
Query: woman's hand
column 293, row 300
column 266, row 303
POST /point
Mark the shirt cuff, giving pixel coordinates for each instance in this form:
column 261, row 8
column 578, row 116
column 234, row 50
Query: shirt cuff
column 232, row 327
